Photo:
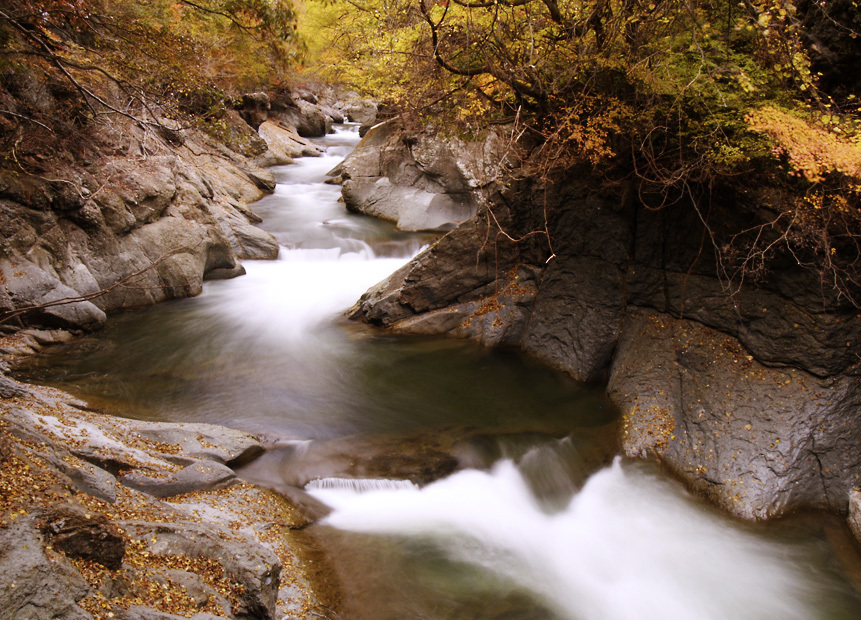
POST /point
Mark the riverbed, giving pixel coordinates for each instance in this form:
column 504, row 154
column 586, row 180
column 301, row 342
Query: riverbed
column 463, row 483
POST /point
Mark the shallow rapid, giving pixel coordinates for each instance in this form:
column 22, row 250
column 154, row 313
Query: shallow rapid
column 463, row 483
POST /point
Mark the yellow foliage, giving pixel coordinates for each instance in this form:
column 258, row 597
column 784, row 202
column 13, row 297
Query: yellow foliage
column 812, row 151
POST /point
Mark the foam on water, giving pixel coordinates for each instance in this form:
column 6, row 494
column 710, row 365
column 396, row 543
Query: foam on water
column 629, row 545
column 287, row 298
column 359, row 485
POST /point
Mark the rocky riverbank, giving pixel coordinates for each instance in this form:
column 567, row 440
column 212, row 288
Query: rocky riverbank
column 749, row 393
column 104, row 517
column 146, row 212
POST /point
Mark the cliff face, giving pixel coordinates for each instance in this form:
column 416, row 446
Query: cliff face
column 751, row 395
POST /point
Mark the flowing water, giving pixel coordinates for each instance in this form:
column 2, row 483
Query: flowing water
column 461, row 483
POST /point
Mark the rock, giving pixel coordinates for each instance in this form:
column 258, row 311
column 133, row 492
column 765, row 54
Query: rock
column 262, row 179
column 136, row 612
column 151, row 220
column 191, row 583
column 305, row 116
column 200, row 476
column 11, row 389
column 333, row 114
column 37, row 587
column 285, row 141
column 80, row 534
column 252, row 566
column 49, row 337
column 855, row 513
column 200, row 441
column 51, row 301
column 751, row 399
column 85, row 477
column 225, row 274
column 419, row 182
column 246, row 240
column 760, row 442
column 254, row 108
column 356, row 108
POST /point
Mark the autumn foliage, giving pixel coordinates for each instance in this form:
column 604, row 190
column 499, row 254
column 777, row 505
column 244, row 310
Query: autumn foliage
column 677, row 100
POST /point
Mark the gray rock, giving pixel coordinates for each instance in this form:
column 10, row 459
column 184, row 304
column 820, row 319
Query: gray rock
column 9, row 388
column 577, row 316
column 753, row 401
column 855, row 513
column 37, row 587
column 137, row 612
column 169, row 215
column 85, row 477
column 246, row 240
column 252, row 566
column 308, row 119
column 192, row 583
column 200, row 441
column 760, row 442
column 53, row 303
column 285, row 142
column 200, row 476
column 419, row 182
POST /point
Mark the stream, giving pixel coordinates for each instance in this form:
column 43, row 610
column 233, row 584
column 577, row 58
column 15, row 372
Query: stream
column 464, row 483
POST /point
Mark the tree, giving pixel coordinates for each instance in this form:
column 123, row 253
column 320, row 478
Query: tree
column 672, row 98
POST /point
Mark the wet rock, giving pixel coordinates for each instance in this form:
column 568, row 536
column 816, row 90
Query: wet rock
column 200, row 476
column 80, row 534
column 48, row 337
column 252, row 566
column 783, row 439
column 37, row 587
column 224, row 274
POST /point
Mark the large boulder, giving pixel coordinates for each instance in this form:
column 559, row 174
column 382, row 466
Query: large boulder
column 420, row 182
column 285, row 141
column 308, row 119
column 758, row 441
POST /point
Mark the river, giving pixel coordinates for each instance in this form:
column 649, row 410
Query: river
column 464, row 483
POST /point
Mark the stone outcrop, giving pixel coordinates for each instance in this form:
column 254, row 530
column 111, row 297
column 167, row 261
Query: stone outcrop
column 144, row 222
column 76, row 544
column 750, row 396
column 147, row 213
column 419, row 182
